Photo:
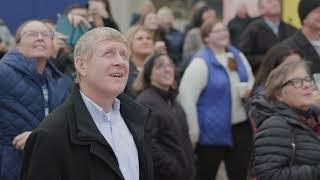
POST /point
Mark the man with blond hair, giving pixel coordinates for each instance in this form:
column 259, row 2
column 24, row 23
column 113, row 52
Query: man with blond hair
column 91, row 136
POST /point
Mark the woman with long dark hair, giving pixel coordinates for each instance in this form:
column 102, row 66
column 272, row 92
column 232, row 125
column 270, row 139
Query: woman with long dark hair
column 171, row 147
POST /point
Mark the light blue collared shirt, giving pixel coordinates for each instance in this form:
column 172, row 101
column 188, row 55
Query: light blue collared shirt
column 274, row 26
column 113, row 128
column 316, row 45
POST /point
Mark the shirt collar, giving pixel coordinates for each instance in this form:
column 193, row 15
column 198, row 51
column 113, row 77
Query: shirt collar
column 315, row 43
column 88, row 101
column 271, row 23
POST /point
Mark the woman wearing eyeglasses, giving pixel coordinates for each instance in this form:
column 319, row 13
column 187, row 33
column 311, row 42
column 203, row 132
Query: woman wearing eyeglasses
column 171, row 147
column 274, row 57
column 287, row 143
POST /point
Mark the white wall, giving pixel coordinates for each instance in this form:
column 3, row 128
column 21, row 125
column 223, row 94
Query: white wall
column 230, row 8
column 122, row 11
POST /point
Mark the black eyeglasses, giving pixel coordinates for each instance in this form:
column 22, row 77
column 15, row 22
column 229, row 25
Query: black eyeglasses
column 297, row 82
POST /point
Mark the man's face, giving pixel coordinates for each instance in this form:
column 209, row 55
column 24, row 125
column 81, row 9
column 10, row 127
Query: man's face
column 166, row 18
column 106, row 71
column 36, row 41
column 312, row 20
column 142, row 43
column 271, row 8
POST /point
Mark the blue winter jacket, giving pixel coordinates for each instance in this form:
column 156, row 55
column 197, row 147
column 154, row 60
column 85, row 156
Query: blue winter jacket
column 22, row 104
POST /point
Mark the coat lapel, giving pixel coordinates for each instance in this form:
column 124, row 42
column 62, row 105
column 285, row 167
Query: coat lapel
column 83, row 131
column 97, row 149
column 136, row 124
column 304, row 43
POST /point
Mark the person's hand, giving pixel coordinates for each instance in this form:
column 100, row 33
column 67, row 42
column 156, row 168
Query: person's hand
column 160, row 47
column 98, row 8
column 20, row 140
column 75, row 20
column 59, row 42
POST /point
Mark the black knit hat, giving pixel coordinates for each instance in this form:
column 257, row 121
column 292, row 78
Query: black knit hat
column 306, row 6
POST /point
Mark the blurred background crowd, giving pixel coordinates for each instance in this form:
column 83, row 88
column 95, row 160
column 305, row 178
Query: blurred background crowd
column 226, row 80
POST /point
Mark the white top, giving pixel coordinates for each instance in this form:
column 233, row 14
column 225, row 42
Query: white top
column 194, row 81
column 316, row 45
column 113, row 128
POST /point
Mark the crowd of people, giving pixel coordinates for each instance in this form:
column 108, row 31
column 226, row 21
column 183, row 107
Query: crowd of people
column 81, row 100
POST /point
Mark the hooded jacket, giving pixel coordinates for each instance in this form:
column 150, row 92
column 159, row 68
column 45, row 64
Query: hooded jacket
column 284, row 147
column 22, row 104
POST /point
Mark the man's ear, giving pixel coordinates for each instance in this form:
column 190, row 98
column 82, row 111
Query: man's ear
column 81, row 66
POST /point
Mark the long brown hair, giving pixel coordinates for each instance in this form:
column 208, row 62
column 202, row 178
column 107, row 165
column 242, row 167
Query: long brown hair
column 274, row 57
column 143, row 80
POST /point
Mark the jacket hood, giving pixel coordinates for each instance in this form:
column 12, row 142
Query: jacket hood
column 18, row 61
column 266, row 109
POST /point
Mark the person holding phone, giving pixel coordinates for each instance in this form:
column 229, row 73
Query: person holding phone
column 100, row 12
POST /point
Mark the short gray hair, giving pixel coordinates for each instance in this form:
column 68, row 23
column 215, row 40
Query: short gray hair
column 84, row 46
column 23, row 25
column 276, row 78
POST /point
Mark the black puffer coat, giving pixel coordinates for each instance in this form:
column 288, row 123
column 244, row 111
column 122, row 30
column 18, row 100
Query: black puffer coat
column 171, row 146
column 284, row 147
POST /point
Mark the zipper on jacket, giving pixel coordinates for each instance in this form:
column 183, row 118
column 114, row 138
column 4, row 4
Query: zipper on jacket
column 293, row 148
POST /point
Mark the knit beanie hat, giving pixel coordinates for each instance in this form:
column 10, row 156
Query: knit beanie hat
column 306, row 6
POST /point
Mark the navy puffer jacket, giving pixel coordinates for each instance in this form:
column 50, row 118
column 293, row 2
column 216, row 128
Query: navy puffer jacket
column 22, row 104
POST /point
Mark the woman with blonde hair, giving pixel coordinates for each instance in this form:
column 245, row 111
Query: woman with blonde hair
column 141, row 45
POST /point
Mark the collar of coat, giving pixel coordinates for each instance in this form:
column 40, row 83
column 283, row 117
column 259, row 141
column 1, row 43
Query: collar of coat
column 83, row 130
